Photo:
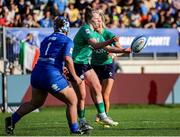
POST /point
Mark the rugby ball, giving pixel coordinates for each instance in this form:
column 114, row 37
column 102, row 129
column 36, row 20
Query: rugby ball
column 138, row 43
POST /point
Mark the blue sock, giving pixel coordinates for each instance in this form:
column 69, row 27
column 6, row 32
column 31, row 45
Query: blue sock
column 15, row 117
column 73, row 127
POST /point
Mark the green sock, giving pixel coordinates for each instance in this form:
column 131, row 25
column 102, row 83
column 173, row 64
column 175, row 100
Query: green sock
column 100, row 107
column 81, row 113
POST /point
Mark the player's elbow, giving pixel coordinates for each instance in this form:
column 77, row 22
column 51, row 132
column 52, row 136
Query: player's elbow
column 68, row 59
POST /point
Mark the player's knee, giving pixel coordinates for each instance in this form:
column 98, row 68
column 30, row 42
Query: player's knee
column 74, row 101
column 106, row 97
column 36, row 104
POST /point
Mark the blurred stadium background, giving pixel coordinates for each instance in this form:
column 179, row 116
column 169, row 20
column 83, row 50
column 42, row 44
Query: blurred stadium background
column 150, row 77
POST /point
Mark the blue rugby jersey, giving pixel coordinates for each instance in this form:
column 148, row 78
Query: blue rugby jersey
column 53, row 49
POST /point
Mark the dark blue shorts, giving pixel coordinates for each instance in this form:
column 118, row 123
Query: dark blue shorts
column 48, row 79
column 104, row 71
column 80, row 70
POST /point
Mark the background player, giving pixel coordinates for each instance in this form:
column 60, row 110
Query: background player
column 47, row 76
column 102, row 63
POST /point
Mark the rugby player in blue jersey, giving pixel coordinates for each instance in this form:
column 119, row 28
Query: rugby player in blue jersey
column 47, row 77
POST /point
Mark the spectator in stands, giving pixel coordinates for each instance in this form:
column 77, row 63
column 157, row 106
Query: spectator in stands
column 81, row 4
column 12, row 12
column 113, row 23
column 169, row 21
column 60, row 6
column 135, row 19
column 159, row 4
column 46, row 22
column 8, row 2
column 35, row 19
column 176, row 4
column 37, row 2
column 17, row 20
column 148, row 23
column 114, row 18
column 124, row 21
column 143, row 10
column 30, row 22
column 149, row 4
column 154, row 13
column 42, row 11
column 1, row 11
column 104, row 7
column 126, row 10
column 95, row 4
column 73, row 15
column 21, row 6
column 161, row 18
column 5, row 21
column 27, row 10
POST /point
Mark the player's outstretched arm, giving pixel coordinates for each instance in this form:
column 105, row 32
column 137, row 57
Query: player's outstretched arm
column 117, row 50
column 97, row 45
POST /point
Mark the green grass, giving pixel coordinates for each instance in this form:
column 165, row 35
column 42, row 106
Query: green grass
column 135, row 120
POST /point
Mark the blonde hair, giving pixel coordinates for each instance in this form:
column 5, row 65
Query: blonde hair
column 101, row 13
column 89, row 14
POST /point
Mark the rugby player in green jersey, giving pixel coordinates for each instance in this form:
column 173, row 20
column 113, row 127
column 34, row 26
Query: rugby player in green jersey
column 102, row 63
column 85, row 41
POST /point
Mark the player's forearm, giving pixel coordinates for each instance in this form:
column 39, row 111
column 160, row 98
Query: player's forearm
column 97, row 45
column 70, row 65
column 116, row 50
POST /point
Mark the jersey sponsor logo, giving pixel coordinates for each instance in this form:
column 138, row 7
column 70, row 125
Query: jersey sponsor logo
column 110, row 73
column 87, row 31
column 99, row 51
column 52, row 38
column 71, row 51
column 82, row 77
column 55, row 87
column 98, row 39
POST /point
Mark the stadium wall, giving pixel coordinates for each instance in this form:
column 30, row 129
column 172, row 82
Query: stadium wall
column 127, row 89
column 150, row 66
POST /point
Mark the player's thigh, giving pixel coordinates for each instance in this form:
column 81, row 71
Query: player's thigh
column 92, row 80
column 38, row 96
column 67, row 95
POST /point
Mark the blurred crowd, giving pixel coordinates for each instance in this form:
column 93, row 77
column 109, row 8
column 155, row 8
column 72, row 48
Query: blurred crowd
column 118, row 13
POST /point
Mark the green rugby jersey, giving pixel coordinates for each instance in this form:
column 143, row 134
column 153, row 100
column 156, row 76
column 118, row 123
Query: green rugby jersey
column 100, row 56
column 82, row 50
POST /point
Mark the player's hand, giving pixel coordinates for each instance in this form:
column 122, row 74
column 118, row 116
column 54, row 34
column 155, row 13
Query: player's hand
column 65, row 70
column 78, row 80
column 113, row 55
column 127, row 50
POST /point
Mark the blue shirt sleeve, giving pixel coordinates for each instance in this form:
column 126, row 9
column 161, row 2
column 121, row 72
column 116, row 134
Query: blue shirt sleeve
column 68, row 49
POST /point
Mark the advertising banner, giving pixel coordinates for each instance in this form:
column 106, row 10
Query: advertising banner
column 159, row 40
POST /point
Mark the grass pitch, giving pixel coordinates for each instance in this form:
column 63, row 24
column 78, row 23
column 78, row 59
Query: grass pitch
column 134, row 120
